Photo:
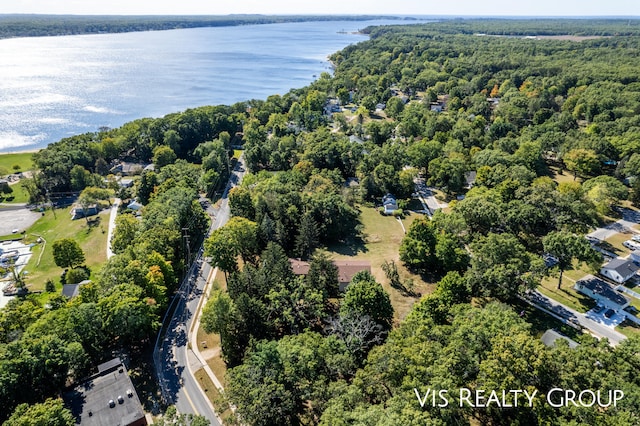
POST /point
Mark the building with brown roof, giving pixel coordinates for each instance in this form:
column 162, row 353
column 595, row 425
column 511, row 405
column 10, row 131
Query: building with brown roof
column 346, row 269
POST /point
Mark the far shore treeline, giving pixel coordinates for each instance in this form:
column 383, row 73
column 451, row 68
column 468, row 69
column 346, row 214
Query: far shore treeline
column 15, row 25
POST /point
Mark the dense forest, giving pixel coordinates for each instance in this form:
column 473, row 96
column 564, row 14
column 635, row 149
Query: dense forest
column 53, row 25
column 519, row 112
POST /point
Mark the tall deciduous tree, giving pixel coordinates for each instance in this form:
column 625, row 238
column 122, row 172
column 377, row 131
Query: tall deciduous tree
column 565, row 247
column 51, row 413
column 366, row 297
column 417, row 249
column 501, row 267
column 581, row 162
column 67, row 253
column 163, row 155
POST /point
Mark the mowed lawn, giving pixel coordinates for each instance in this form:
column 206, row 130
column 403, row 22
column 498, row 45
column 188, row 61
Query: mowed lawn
column 19, row 194
column 22, row 159
column 381, row 242
column 92, row 239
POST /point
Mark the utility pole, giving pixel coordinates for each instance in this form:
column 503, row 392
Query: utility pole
column 187, row 245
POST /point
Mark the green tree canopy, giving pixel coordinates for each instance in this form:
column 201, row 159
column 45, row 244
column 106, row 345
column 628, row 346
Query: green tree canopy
column 67, row 253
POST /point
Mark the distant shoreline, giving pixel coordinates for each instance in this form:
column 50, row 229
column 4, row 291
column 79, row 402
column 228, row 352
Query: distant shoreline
column 28, row 25
column 25, row 151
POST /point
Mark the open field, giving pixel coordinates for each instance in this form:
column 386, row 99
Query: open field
column 381, row 241
column 22, row 159
column 92, row 239
column 566, row 295
column 562, row 175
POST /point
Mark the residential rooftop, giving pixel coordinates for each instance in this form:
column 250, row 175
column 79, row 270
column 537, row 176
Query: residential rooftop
column 624, row 267
column 550, row 337
column 603, row 289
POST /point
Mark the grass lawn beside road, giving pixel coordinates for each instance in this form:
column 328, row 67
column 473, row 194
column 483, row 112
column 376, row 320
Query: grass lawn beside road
column 566, row 295
column 92, row 240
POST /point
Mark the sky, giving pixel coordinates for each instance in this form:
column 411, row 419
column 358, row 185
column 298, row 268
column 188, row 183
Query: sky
column 368, row 7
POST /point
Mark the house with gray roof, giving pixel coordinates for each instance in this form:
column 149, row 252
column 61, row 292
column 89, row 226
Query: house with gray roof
column 550, row 337
column 619, row 270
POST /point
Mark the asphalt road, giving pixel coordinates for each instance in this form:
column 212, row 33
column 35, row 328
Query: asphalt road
column 576, row 317
column 175, row 361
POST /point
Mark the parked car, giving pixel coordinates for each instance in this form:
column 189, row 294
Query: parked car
column 609, row 313
column 598, row 309
column 636, row 238
column 630, row 244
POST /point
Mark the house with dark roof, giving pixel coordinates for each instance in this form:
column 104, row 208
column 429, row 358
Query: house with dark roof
column 107, row 398
column 550, row 337
column 72, row 290
column 346, row 269
column 602, row 292
column 619, row 270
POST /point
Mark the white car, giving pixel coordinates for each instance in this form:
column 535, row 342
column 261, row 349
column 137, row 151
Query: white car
column 636, row 238
column 630, row 244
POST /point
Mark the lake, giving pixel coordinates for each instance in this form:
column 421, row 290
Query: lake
column 54, row 87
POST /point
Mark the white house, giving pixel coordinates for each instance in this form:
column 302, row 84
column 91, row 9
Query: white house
column 602, row 292
column 619, row 270
column 389, row 203
column 78, row 212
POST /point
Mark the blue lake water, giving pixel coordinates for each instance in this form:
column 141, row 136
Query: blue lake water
column 54, row 87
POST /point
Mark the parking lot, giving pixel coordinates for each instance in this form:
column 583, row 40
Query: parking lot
column 18, row 219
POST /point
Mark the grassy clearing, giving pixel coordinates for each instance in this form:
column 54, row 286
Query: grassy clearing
column 22, row 159
column 566, row 295
column 614, row 243
column 560, row 176
column 19, row 194
column 92, row 239
column 381, row 241
column 209, row 344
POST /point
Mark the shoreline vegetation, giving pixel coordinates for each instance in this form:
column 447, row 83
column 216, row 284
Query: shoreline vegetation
column 30, row 25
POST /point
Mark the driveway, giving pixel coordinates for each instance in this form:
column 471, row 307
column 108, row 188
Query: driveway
column 597, row 328
column 427, row 197
column 630, row 218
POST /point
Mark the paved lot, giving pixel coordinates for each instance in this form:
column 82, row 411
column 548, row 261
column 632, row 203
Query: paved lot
column 19, row 219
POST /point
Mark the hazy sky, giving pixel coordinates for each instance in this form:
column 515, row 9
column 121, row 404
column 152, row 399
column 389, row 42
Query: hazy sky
column 403, row 7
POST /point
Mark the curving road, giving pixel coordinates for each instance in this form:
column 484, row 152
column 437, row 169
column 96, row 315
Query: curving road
column 174, row 360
